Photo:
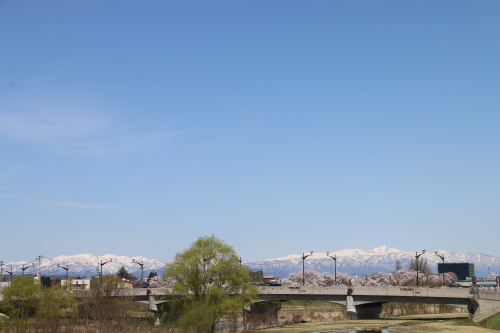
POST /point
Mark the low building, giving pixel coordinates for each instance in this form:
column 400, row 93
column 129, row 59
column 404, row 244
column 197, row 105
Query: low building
column 80, row 284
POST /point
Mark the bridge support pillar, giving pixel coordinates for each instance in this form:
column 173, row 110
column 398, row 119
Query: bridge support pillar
column 158, row 308
column 483, row 309
column 367, row 311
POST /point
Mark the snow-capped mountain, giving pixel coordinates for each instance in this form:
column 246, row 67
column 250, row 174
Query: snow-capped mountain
column 380, row 259
column 351, row 261
column 85, row 265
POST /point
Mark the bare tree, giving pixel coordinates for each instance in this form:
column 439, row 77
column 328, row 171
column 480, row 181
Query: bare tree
column 423, row 266
column 398, row 265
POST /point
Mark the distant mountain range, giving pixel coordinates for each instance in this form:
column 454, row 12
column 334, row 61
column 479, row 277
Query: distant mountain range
column 352, row 261
column 381, row 259
column 86, row 265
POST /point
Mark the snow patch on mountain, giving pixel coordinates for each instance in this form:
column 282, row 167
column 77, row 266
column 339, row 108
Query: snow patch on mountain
column 380, row 259
column 351, row 261
column 85, row 265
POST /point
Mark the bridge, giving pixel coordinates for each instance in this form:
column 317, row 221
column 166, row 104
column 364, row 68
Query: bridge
column 363, row 302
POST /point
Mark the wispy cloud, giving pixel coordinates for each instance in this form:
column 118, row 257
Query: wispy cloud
column 79, row 205
column 71, row 123
column 23, row 200
column 108, row 146
column 6, row 193
column 49, row 125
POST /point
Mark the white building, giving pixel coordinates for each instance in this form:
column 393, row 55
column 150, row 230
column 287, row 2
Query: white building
column 81, row 284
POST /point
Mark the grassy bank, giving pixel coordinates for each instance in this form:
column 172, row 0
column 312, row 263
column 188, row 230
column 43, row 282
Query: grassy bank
column 429, row 323
column 493, row 323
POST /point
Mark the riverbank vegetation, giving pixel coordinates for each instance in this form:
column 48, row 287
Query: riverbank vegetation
column 407, row 324
column 97, row 314
column 210, row 285
column 30, row 308
column 211, row 292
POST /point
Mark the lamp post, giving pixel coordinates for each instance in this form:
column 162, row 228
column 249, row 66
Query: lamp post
column 334, row 259
column 416, row 261
column 304, row 256
column 102, row 264
column 26, row 266
column 442, row 258
column 142, row 269
column 65, row 268
column 237, row 258
column 10, row 272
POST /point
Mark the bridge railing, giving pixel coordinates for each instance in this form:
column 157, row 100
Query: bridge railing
column 368, row 291
column 286, row 290
column 357, row 290
column 489, row 294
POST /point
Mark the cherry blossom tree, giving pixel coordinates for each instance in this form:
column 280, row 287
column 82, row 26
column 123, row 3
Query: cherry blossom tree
column 313, row 278
column 401, row 277
column 157, row 282
column 450, row 279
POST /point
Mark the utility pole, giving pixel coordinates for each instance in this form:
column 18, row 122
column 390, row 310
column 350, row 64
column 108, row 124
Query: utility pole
column 39, row 258
column 142, row 269
column 102, row 264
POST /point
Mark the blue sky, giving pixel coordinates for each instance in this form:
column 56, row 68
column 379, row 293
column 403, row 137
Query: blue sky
column 134, row 127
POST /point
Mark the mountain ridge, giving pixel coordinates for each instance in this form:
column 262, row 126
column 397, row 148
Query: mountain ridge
column 380, row 259
column 351, row 261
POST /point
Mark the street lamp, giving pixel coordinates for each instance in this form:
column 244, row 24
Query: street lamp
column 10, row 272
column 142, row 269
column 65, row 268
column 26, row 266
column 102, row 264
column 237, row 258
column 416, row 261
column 334, row 259
column 304, row 256
column 442, row 258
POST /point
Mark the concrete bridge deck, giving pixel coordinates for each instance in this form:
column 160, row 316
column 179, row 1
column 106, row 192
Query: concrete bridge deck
column 366, row 302
column 333, row 292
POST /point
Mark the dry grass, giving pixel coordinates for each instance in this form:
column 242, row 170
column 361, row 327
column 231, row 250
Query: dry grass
column 433, row 323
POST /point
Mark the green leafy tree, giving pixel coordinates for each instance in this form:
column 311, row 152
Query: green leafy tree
column 32, row 308
column 21, row 299
column 210, row 283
